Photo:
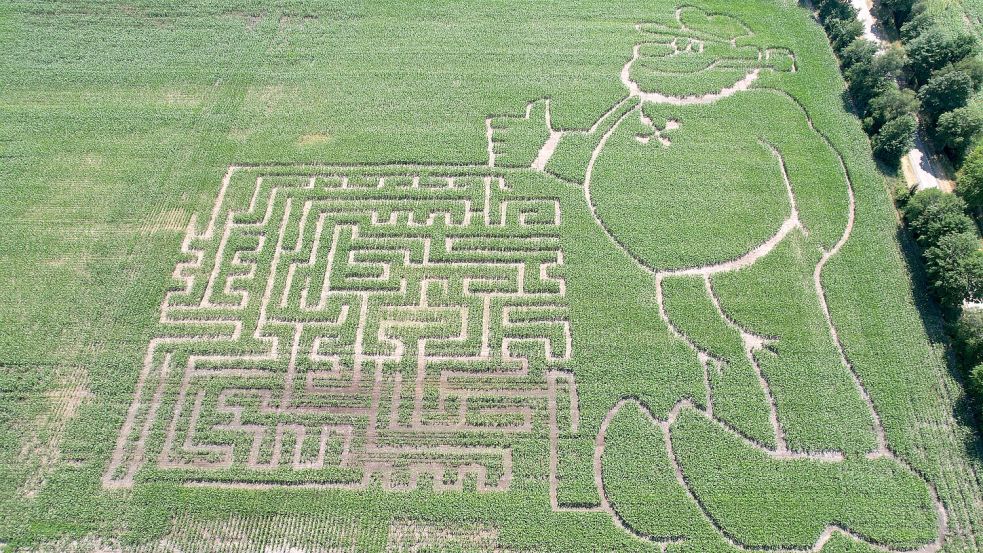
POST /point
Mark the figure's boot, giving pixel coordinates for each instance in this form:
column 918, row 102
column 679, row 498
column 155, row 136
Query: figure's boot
column 752, row 498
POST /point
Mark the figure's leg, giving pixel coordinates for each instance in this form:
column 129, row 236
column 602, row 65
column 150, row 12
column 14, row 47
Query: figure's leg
column 608, row 294
column 738, row 396
column 822, row 473
column 641, row 485
column 819, row 405
column 764, row 499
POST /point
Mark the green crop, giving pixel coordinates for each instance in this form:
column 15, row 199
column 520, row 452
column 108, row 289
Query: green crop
column 301, row 276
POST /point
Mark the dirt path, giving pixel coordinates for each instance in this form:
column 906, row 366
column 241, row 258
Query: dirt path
column 872, row 30
column 921, row 169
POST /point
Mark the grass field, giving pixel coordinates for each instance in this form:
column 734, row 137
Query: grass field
column 490, row 276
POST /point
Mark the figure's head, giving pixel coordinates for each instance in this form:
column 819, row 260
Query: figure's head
column 697, row 54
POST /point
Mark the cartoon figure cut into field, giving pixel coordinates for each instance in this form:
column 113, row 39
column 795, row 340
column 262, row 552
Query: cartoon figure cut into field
column 742, row 289
column 658, row 310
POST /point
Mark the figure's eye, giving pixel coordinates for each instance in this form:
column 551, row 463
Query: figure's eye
column 682, row 55
column 780, row 59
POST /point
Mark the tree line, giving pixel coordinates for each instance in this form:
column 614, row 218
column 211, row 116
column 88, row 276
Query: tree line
column 931, row 76
column 928, row 79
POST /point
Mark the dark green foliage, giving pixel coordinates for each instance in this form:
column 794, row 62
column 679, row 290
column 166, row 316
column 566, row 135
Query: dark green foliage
column 953, row 260
column 916, row 25
column 895, row 12
column 836, row 9
column 842, row 32
column 969, row 180
column 926, row 207
column 976, row 381
column 892, row 103
column 895, row 139
column 920, row 202
column 945, row 92
column 903, row 192
column 957, row 129
column 973, row 67
column 955, row 268
column 860, row 50
column 937, row 46
column 967, row 337
column 868, row 78
column 934, row 49
column 943, row 224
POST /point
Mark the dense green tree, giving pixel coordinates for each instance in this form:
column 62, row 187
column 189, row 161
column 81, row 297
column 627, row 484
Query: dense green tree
column 970, row 66
column 974, row 274
column 930, row 204
column 955, row 268
column 894, row 12
column 869, row 78
column 967, row 337
column 917, row 24
column 860, row 50
column 836, row 9
column 945, row 92
column 895, row 139
column 969, row 179
column 932, row 214
column 934, row 49
column 891, row 103
column 842, row 32
column 935, row 228
column 976, row 383
column 919, row 202
column 973, row 67
column 957, row 129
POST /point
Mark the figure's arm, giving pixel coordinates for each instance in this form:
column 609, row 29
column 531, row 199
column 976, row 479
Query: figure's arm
column 516, row 140
column 569, row 158
column 815, row 173
column 530, row 140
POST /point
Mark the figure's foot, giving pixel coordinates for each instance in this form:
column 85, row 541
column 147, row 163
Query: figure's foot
column 754, row 498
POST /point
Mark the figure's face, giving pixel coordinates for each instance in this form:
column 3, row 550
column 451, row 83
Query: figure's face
column 700, row 54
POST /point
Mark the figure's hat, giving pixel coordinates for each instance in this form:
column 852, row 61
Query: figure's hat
column 697, row 53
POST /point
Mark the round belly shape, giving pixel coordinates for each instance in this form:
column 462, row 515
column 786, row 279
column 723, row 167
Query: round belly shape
column 673, row 202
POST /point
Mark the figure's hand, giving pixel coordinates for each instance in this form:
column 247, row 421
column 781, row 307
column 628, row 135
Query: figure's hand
column 515, row 140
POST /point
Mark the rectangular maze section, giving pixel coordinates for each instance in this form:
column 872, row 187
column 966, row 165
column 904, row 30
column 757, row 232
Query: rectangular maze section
column 350, row 327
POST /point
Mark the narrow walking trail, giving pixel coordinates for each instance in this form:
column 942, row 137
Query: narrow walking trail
column 872, row 31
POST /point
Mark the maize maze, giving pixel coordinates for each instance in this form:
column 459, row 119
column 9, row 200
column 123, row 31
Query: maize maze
column 624, row 335
column 349, row 326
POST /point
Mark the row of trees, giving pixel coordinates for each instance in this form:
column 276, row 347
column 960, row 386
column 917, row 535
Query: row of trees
column 931, row 78
column 944, row 68
column 953, row 259
column 935, row 74
column 888, row 112
column 954, row 267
